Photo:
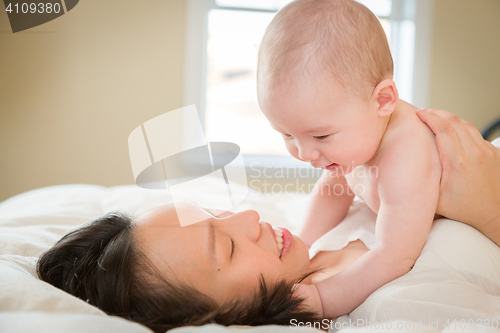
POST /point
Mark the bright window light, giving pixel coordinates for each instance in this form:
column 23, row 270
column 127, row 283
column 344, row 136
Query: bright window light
column 378, row 7
column 232, row 112
column 257, row 4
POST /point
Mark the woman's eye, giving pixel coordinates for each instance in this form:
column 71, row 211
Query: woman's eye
column 232, row 248
column 321, row 137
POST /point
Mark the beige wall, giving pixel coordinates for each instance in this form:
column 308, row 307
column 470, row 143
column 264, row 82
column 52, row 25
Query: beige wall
column 465, row 75
column 73, row 89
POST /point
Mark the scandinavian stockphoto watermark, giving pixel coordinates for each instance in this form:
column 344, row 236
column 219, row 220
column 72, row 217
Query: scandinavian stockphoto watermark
column 26, row 14
column 266, row 179
column 327, row 324
column 434, row 324
column 170, row 152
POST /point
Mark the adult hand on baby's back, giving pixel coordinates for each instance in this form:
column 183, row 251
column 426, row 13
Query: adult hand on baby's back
column 312, row 299
column 470, row 181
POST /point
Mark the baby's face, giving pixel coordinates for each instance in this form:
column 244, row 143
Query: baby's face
column 322, row 125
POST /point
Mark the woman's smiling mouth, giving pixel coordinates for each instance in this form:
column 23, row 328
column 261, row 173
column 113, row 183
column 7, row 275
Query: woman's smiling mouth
column 278, row 235
column 284, row 240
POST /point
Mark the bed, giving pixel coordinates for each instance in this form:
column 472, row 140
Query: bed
column 467, row 284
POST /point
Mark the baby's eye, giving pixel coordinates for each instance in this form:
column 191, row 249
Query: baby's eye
column 286, row 135
column 321, row 137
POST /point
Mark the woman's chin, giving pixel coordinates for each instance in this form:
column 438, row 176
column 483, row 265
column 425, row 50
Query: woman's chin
column 302, row 244
column 300, row 252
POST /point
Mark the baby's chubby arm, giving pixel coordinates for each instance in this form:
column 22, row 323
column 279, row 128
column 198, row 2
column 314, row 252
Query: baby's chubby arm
column 330, row 200
column 408, row 188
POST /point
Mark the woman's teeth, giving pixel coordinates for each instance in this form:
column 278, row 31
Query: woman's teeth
column 279, row 239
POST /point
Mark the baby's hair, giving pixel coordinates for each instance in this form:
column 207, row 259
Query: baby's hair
column 337, row 39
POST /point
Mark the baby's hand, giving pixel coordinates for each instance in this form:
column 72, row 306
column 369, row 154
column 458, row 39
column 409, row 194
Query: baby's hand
column 311, row 295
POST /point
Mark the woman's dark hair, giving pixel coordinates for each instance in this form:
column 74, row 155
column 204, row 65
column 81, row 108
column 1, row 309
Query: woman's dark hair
column 99, row 263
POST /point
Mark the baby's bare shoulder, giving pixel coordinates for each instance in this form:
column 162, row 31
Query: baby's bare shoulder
column 409, row 142
column 410, row 165
column 409, row 127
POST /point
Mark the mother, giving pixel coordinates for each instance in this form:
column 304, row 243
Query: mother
column 232, row 268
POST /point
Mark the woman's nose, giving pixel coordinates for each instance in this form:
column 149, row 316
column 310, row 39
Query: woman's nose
column 246, row 222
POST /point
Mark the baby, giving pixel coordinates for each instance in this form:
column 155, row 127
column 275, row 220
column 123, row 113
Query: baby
column 325, row 83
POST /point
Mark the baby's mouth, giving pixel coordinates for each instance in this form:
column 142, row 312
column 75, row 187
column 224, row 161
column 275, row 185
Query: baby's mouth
column 332, row 166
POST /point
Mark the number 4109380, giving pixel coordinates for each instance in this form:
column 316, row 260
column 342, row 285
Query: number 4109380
column 33, row 8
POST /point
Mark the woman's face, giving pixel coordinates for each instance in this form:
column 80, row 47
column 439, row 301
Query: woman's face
column 202, row 254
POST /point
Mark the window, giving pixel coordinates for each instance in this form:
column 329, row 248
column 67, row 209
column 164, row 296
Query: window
column 222, row 41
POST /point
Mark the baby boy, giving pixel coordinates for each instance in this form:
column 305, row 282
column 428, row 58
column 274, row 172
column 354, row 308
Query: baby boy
column 325, row 83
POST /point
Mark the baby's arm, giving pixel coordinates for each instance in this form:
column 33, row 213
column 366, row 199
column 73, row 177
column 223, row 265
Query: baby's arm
column 330, row 200
column 408, row 189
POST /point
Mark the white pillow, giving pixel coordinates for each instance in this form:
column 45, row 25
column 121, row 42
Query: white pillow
column 496, row 142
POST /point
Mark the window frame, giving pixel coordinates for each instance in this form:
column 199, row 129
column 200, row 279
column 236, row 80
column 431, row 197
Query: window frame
column 195, row 59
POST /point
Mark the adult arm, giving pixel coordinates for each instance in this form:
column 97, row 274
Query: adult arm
column 470, row 181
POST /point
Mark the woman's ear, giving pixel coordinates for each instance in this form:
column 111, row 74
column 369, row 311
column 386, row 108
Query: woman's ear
column 385, row 97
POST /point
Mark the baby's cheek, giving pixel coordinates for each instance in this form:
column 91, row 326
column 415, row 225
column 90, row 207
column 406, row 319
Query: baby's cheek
column 346, row 154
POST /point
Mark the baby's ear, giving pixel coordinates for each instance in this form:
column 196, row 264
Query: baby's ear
column 385, row 97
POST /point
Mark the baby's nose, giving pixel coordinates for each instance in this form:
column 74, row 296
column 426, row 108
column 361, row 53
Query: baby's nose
column 308, row 155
